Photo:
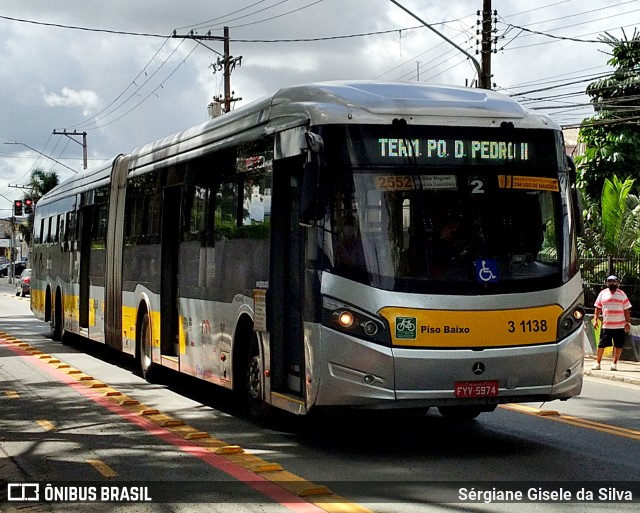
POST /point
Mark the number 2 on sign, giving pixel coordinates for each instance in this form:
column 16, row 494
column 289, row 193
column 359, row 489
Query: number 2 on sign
column 530, row 326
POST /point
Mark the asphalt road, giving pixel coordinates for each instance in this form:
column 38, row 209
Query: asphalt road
column 56, row 427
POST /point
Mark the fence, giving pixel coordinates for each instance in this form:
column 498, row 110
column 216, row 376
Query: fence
column 595, row 271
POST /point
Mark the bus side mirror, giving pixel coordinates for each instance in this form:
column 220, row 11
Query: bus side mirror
column 310, row 212
column 310, row 197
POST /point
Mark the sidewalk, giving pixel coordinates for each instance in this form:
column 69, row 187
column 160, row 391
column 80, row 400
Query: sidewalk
column 628, row 372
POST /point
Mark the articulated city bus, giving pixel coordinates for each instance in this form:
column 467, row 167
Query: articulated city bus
column 363, row 245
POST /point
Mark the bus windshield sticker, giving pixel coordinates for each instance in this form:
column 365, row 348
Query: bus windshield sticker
column 409, row 183
column 486, row 270
column 534, row 183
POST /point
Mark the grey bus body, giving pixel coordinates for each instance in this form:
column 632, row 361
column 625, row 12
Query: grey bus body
column 342, row 244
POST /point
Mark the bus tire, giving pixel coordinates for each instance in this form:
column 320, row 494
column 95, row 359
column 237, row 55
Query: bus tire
column 56, row 320
column 148, row 369
column 259, row 410
column 461, row 413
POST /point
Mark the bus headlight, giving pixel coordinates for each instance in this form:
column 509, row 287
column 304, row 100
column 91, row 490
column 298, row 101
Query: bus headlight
column 349, row 319
column 571, row 320
column 345, row 318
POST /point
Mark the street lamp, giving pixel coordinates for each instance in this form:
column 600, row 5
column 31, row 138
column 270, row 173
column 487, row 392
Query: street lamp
column 40, row 153
column 469, row 56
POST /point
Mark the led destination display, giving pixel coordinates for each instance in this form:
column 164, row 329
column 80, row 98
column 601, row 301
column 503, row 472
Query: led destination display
column 467, row 150
column 453, row 146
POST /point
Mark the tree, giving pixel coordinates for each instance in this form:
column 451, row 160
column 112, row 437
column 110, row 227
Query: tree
column 612, row 135
column 40, row 183
column 613, row 226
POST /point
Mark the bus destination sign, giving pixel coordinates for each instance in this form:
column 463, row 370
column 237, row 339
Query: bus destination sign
column 467, row 151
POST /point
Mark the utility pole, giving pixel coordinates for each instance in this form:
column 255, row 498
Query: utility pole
column 227, row 71
column 226, row 64
column 71, row 136
column 462, row 50
column 487, row 39
column 12, row 249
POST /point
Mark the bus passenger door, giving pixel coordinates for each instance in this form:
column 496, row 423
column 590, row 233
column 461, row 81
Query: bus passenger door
column 84, row 230
column 115, row 242
column 286, row 288
column 169, row 307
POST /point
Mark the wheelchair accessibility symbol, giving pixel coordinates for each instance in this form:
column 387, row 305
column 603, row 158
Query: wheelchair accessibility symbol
column 486, row 270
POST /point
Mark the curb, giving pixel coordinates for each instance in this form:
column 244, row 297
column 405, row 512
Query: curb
column 612, row 376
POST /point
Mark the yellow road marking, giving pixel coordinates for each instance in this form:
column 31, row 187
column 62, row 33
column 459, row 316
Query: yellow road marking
column 103, row 468
column 45, row 424
column 316, row 494
column 574, row 421
column 11, row 394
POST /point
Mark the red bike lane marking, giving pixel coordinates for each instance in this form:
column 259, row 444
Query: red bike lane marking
column 251, row 479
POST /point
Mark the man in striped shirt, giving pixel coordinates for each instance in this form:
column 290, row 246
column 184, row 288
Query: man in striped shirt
column 615, row 307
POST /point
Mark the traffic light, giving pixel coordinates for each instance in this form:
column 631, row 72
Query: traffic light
column 17, row 207
column 28, row 206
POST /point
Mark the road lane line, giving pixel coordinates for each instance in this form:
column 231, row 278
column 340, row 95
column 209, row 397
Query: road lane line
column 285, row 488
column 103, row 468
column 574, row 421
column 45, row 424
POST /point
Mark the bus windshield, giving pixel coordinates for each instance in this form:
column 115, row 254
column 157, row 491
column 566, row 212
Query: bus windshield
column 455, row 227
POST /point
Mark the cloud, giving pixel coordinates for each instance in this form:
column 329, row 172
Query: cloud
column 127, row 90
column 87, row 100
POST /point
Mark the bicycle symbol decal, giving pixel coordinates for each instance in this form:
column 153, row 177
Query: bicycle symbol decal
column 406, row 327
column 486, row 270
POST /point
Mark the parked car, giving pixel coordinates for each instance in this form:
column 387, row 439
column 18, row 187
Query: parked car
column 23, row 283
column 5, row 269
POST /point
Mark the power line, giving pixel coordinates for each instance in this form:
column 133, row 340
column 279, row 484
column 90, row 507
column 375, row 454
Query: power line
column 97, row 117
column 553, row 36
column 85, row 29
column 133, row 82
column 205, row 23
column 581, row 81
column 413, row 74
column 261, row 41
column 537, row 8
column 152, row 92
column 326, row 38
column 208, row 24
column 574, row 15
column 548, row 79
column 227, row 22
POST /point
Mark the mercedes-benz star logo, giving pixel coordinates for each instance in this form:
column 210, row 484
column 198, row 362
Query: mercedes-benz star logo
column 478, row 368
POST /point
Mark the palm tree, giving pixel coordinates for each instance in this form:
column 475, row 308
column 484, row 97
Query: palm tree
column 40, row 183
column 620, row 218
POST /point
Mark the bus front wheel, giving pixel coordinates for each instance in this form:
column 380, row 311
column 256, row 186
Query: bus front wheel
column 259, row 410
column 56, row 319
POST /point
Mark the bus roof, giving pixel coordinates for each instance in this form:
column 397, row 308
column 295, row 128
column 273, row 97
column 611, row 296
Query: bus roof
column 362, row 102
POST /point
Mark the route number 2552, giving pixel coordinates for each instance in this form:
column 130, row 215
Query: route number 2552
column 529, row 326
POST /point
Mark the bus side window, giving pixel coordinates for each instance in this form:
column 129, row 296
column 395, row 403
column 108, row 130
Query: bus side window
column 48, row 238
column 62, row 227
column 37, row 231
column 226, row 198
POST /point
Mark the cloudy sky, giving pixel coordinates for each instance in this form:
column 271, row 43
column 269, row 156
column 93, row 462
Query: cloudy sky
column 110, row 68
